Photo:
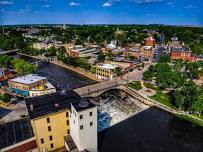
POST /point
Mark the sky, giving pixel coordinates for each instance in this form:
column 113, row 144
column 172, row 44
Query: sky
column 172, row 12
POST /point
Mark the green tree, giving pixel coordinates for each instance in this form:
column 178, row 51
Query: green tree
column 164, row 59
column 179, row 99
column 6, row 97
column 118, row 71
column 198, row 104
column 101, row 57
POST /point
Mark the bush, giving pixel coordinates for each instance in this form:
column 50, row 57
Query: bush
column 93, row 69
column 150, row 86
column 6, row 97
column 135, row 85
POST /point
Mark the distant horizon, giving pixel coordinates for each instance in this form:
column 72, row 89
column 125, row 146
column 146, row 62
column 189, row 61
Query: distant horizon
column 69, row 24
column 102, row 12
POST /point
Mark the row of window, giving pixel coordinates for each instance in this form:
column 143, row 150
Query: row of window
column 48, row 119
column 81, row 116
column 104, row 75
column 103, row 70
column 50, row 139
column 90, row 114
column 82, row 127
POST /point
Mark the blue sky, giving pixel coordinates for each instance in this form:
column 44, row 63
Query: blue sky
column 175, row 12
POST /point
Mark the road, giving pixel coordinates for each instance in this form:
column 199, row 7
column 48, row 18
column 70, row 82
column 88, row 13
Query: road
column 135, row 75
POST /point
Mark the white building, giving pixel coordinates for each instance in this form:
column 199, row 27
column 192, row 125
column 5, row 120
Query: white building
column 106, row 71
column 43, row 89
column 42, row 45
column 112, row 45
column 83, row 126
column 30, row 85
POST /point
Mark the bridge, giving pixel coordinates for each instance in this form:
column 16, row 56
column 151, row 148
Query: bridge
column 9, row 51
column 99, row 88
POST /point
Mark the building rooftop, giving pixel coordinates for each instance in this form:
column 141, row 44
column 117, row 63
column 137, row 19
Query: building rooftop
column 15, row 132
column 83, row 104
column 46, row 86
column 50, row 103
column 147, row 47
column 28, row 79
column 109, row 66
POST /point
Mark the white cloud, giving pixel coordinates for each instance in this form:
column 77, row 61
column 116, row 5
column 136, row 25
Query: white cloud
column 149, row 14
column 190, row 7
column 169, row 3
column 46, row 6
column 6, row 3
column 107, row 4
column 146, row 1
column 74, row 4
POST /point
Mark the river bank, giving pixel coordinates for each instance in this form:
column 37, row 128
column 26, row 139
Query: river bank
column 75, row 69
column 180, row 114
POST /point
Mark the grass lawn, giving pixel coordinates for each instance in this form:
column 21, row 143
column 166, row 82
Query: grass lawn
column 196, row 115
column 191, row 119
column 163, row 98
column 135, row 85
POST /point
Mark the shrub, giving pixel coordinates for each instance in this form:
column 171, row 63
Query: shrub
column 6, row 97
column 135, row 85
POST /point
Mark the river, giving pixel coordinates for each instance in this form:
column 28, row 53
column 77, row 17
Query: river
column 59, row 76
column 150, row 130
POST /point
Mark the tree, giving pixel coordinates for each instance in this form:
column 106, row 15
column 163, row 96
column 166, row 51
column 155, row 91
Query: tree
column 198, row 104
column 23, row 67
column 118, row 71
column 148, row 75
column 178, row 99
column 93, row 69
column 6, row 97
column 190, row 93
column 164, row 59
column 101, row 57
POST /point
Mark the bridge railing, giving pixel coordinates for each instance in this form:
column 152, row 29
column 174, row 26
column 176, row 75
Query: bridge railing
column 97, row 87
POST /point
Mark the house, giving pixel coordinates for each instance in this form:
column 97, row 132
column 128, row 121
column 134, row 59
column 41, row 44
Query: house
column 5, row 74
column 183, row 55
column 150, row 41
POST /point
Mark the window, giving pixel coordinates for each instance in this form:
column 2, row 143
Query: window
column 50, row 138
column 90, row 113
column 52, row 145
column 42, row 140
column 81, row 127
column 67, row 122
column 81, row 116
column 91, row 123
column 66, row 114
column 68, row 131
column 48, row 120
column 49, row 128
